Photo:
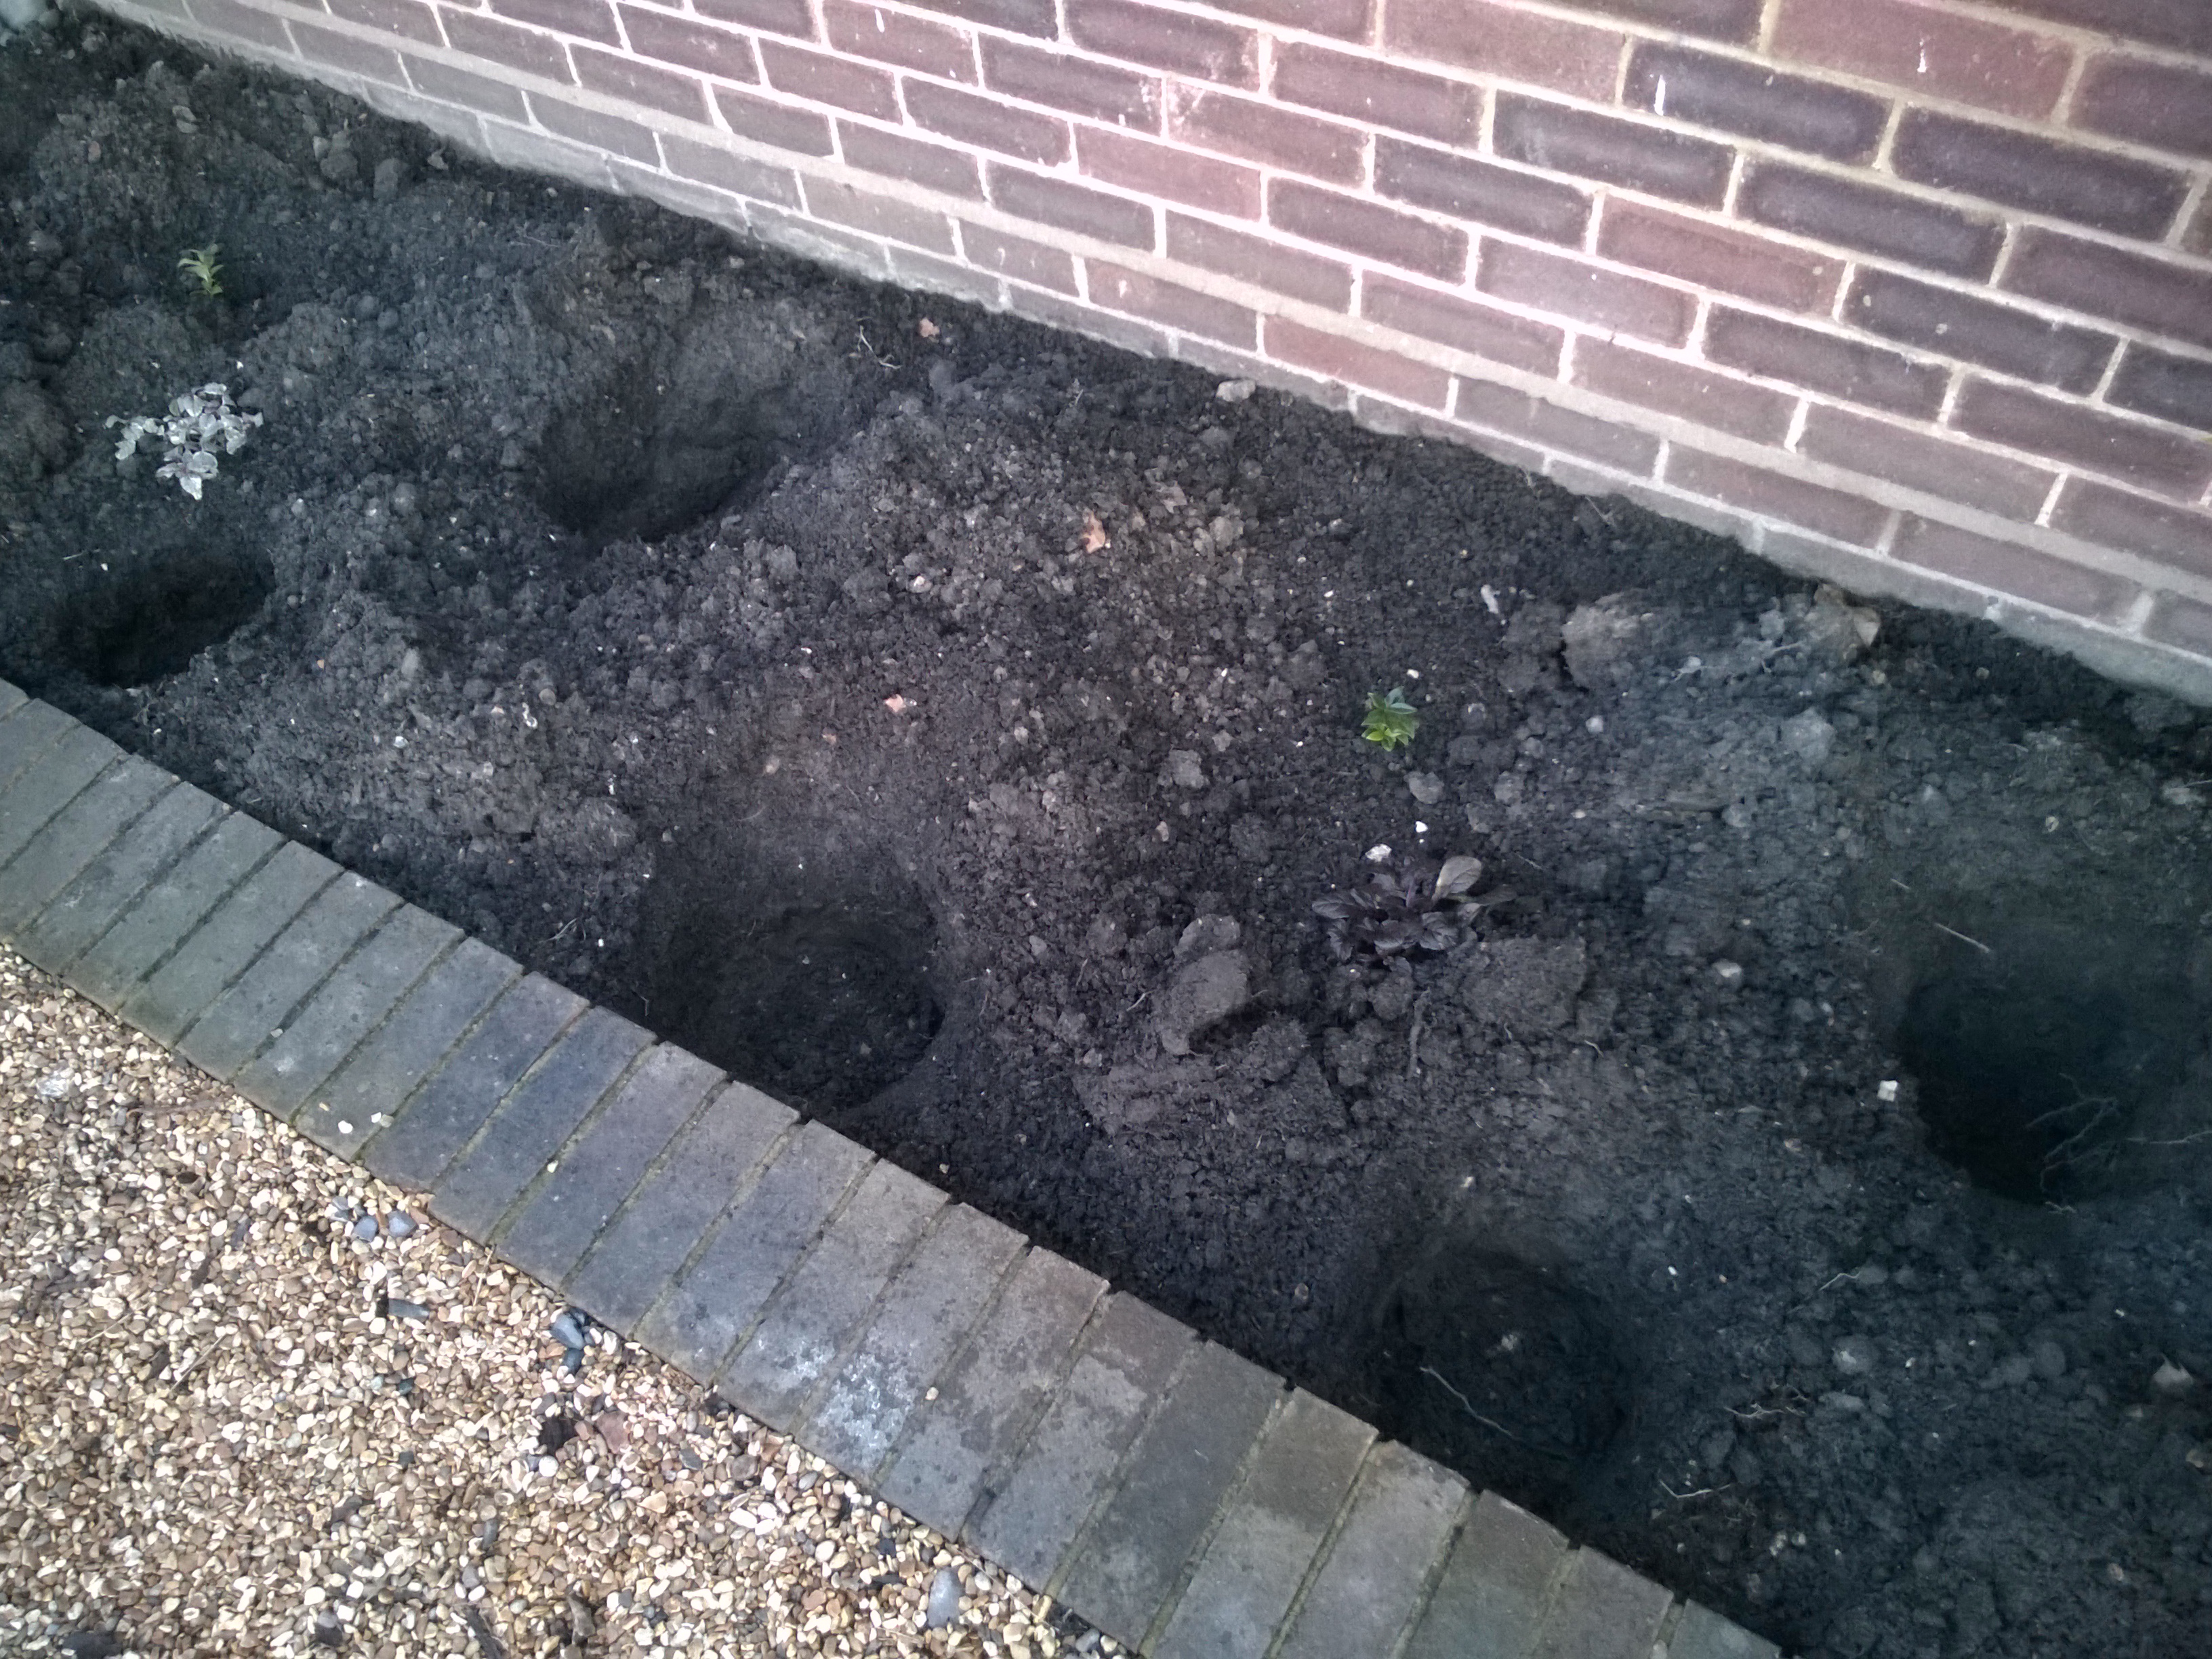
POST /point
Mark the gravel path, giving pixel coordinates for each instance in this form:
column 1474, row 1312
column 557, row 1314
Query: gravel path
column 213, row 1440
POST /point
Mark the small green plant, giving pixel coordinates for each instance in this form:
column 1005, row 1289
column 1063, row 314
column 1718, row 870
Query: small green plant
column 199, row 263
column 1390, row 722
column 200, row 426
column 1416, row 906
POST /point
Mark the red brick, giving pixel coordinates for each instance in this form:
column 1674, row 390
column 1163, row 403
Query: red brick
column 1378, row 94
column 1773, row 496
column 1535, row 421
column 1713, row 255
column 1267, row 133
column 1394, row 421
column 2154, row 382
column 891, row 37
column 1354, row 364
column 718, row 53
column 770, row 122
column 588, row 126
column 2170, row 462
column 1930, row 50
column 711, row 165
column 244, row 22
column 1184, row 309
column 476, row 92
column 878, row 215
column 527, row 50
column 1675, row 388
column 2183, row 23
column 2112, row 192
column 1941, row 465
column 2156, row 530
column 933, row 167
column 1098, row 90
column 1623, row 153
column 2176, row 621
column 624, row 78
column 1347, row 19
column 1752, row 100
column 1569, row 286
column 587, row 20
column 1716, row 20
column 1173, row 174
column 789, row 17
column 2153, row 295
column 1481, row 191
column 2009, row 568
column 349, row 52
column 1870, row 218
column 1363, row 227
column 1222, row 53
column 1037, row 17
column 1506, row 42
column 1260, row 261
column 1864, row 374
column 1017, row 257
column 1998, row 337
column 1080, row 318
column 407, row 17
column 988, row 123
column 1071, row 206
column 819, row 77
column 1480, row 331
column 2161, row 105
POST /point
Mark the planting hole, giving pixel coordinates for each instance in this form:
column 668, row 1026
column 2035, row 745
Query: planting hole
column 150, row 622
column 1495, row 1367
column 822, row 1006
column 660, row 445
column 2038, row 1056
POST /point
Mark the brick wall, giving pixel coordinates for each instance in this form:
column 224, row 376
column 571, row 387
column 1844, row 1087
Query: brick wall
column 1914, row 294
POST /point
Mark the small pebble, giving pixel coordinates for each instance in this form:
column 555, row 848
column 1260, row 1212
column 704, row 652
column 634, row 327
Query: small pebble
column 573, row 1361
column 398, row 1224
column 364, row 1229
column 571, row 1328
column 395, row 1308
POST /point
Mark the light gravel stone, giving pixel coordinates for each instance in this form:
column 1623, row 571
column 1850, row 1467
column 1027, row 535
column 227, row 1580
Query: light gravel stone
column 211, row 1443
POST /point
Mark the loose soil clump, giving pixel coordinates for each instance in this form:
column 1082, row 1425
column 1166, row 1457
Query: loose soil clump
column 1791, row 1173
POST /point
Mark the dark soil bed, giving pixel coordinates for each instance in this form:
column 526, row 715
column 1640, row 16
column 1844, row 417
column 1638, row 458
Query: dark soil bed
column 1793, row 1177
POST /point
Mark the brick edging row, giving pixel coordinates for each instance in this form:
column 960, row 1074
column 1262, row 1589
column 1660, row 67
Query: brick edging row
column 1175, row 1495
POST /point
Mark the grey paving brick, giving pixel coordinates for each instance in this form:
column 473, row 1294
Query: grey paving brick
column 446, row 1111
column 807, row 1327
column 1132, row 1552
column 1297, row 1479
column 957, row 1442
column 75, row 837
column 120, row 874
column 49, row 783
column 1126, row 1359
column 536, row 1120
column 657, row 1229
column 1494, row 1587
column 551, row 1232
column 347, row 1112
column 718, row 1299
column 925, row 1315
column 317, row 1038
column 224, row 945
column 113, row 966
column 1601, row 1610
column 243, row 1019
column 1703, row 1634
column 28, row 734
column 1368, row 1590
column 10, row 699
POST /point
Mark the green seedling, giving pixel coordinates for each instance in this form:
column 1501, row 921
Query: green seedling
column 199, row 263
column 1390, row 722
column 1419, row 906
